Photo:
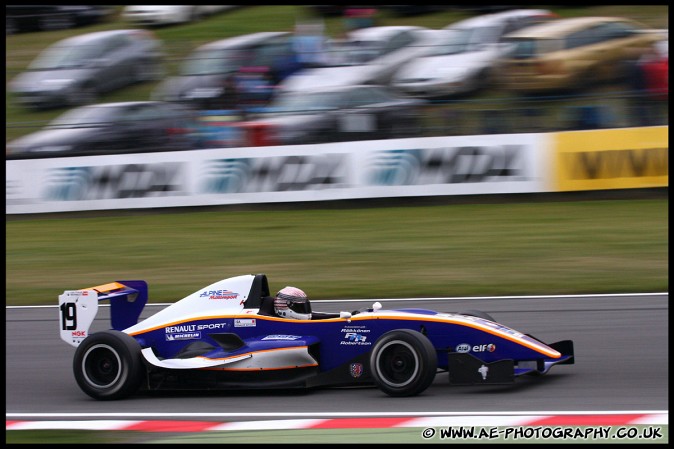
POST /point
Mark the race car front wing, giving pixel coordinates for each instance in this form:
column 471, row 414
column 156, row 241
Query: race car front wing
column 466, row 369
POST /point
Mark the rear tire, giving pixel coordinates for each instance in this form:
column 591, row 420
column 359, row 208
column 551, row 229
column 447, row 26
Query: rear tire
column 403, row 363
column 108, row 365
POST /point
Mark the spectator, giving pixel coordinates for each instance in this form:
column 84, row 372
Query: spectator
column 588, row 117
column 645, row 88
column 254, row 87
column 285, row 63
column 356, row 18
column 229, row 99
column 656, row 72
column 309, row 44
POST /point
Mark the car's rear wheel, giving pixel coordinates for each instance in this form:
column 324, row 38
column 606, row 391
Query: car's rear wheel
column 403, row 363
column 108, row 365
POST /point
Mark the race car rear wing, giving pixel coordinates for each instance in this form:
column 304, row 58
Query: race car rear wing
column 78, row 308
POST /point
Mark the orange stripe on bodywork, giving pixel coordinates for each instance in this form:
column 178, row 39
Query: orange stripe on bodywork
column 550, row 353
column 553, row 354
column 107, row 287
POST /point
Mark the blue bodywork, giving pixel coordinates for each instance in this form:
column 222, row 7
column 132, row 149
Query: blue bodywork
column 243, row 344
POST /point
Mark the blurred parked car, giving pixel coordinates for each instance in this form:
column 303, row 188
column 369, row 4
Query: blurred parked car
column 573, row 53
column 463, row 61
column 23, row 18
column 156, row 15
column 206, row 77
column 340, row 113
column 107, row 128
column 368, row 56
column 656, row 68
column 78, row 69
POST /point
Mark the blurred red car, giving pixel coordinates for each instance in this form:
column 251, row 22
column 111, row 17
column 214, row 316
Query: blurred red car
column 656, row 70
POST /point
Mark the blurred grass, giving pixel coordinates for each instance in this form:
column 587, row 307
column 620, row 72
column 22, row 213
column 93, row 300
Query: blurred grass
column 600, row 246
column 74, row 437
column 180, row 40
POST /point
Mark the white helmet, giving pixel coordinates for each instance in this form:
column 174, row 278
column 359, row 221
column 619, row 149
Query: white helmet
column 291, row 302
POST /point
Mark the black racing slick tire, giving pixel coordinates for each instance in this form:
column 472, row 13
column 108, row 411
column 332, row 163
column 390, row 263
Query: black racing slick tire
column 478, row 313
column 108, row 365
column 403, row 363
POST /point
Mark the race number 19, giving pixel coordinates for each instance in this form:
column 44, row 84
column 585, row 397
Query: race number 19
column 68, row 316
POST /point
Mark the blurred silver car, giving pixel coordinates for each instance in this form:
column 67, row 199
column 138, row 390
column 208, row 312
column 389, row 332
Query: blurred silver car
column 340, row 113
column 368, row 56
column 108, row 128
column 574, row 53
column 27, row 18
column 465, row 57
column 77, row 70
column 157, row 15
column 206, row 76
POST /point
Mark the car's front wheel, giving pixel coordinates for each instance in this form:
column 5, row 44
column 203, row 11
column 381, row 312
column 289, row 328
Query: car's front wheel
column 403, row 363
column 108, row 365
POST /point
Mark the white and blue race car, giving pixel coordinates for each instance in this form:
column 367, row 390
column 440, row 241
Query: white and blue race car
column 227, row 336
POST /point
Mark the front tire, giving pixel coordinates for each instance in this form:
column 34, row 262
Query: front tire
column 403, row 363
column 108, row 365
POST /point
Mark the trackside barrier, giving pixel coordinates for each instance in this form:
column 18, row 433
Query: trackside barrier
column 257, row 134
column 429, row 166
column 624, row 158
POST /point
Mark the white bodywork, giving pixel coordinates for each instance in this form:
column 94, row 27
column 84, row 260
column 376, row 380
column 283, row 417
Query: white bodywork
column 225, row 297
column 378, row 70
column 75, row 322
column 477, row 51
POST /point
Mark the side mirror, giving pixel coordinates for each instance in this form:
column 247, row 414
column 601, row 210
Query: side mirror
column 345, row 314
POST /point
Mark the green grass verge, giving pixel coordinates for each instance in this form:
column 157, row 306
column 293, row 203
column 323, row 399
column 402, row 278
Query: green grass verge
column 556, row 247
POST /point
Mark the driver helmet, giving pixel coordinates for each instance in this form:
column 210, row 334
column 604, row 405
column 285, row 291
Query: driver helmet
column 291, row 302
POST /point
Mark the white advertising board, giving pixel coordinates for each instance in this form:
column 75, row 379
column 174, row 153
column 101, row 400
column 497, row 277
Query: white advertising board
column 455, row 165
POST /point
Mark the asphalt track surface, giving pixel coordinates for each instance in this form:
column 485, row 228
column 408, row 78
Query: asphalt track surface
column 621, row 347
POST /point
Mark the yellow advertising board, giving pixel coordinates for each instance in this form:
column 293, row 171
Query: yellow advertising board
column 625, row 158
